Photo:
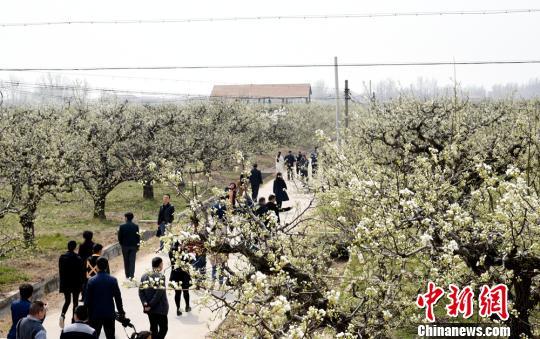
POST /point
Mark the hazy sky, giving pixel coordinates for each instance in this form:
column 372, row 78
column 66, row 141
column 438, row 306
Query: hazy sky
column 395, row 39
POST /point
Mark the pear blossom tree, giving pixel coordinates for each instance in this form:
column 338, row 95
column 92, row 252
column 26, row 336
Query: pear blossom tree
column 33, row 161
column 446, row 193
column 417, row 202
column 108, row 139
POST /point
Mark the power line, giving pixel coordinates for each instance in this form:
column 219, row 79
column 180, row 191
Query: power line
column 88, row 89
column 71, row 74
column 375, row 64
column 274, row 17
column 24, row 87
column 16, row 84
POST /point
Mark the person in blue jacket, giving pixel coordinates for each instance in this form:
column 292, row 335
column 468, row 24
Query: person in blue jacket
column 102, row 293
column 20, row 308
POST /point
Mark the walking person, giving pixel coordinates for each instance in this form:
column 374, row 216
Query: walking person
column 153, row 296
column 280, row 190
column 314, row 157
column 290, row 160
column 31, row 326
column 279, row 162
column 71, row 279
column 91, row 263
column 85, row 251
column 256, row 181
column 102, row 293
column 20, row 308
column 86, row 247
column 165, row 216
column 298, row 159
column 129, row 238
column 79, row 329
column 180, row 279
column 302, row 167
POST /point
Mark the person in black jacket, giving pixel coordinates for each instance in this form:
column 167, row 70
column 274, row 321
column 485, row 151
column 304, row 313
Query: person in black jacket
column 262, row 209
column 85, row 248
column 129, row 238
column 79, row 329
column 91, row 263
column 102, row 293
column 290, row 160
column 153, row 296
column 271, row 205
column 85, row 251
column 280, row 190
column 165, row 215
column 71, row 278
column 255, row 179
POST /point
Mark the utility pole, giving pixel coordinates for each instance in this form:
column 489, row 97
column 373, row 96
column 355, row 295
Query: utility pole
column 337, row 100
column 347, row 98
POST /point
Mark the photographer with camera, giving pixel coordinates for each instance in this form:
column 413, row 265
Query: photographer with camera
column 102, row 293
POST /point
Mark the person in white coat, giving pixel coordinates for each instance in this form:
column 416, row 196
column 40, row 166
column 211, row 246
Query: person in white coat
column 279, row 163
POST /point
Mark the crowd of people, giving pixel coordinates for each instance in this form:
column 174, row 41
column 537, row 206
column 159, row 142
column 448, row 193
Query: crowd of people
column 86, row 273
column 297, row 166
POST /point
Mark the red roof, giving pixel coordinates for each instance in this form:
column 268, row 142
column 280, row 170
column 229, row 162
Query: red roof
column 262, row 91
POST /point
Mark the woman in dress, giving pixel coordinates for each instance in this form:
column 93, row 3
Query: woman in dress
column 279, row 163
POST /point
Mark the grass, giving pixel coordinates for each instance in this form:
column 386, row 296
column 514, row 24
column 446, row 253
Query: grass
column 10, row 275
column 55, row 242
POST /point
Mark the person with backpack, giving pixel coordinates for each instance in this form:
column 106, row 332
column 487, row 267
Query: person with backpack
column 91, row 263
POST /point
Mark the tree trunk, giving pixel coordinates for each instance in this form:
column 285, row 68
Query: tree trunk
column 99, row 207
column 520, row 325
column 148, row 190
column 27, row 222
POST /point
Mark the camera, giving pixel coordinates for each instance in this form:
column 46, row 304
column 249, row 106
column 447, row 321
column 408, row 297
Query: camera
column 121, row 318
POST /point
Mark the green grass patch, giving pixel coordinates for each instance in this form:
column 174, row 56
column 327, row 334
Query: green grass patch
column 10, row 275
column 55, row 242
